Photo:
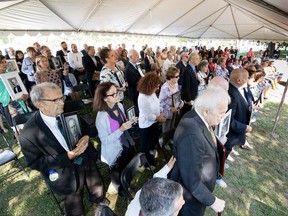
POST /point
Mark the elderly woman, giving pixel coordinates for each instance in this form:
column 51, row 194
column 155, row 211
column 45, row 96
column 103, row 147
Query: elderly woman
column 167, row 90
column 45, row 74
column 202, row 76
column 221, row 69
column 149, row 114
column 9, row 108
column 111, row 73
column 112, row 126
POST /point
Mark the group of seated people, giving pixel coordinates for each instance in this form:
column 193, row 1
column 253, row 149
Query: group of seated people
column 186, row 94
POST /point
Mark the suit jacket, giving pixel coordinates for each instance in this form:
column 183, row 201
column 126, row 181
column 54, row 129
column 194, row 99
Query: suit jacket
column 61, row 54
column 197, row 162
column 147, row 64
column 181, row 67
column 90, row 67
column 190, row 84
column 43, row 152
column 132, row 76
column 239, row 118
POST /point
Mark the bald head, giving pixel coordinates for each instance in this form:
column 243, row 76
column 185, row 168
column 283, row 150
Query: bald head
column 219, row 81
column 239, row 77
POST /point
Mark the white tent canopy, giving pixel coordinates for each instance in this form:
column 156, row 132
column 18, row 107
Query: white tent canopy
column 226, row 19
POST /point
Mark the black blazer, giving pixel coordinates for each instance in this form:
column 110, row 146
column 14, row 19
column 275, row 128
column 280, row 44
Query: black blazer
column 61, row 54
column 181, row 67
column 147, row 64
column 89, row 65
column 132, row 76
column 197, row 163
column 190, row 84
column 43, row 152
column 239, row 118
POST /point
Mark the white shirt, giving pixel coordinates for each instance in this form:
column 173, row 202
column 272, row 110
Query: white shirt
column 75, row 60
column 201, row 117
column 52, row 125
column 149, row 109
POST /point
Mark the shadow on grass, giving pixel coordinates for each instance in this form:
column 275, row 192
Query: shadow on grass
column 260, row 208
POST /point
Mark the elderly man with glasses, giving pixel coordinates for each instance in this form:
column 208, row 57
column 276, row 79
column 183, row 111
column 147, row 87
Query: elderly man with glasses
column 46, row 150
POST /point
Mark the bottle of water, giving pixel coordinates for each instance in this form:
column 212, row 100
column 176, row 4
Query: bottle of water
column 53, row 176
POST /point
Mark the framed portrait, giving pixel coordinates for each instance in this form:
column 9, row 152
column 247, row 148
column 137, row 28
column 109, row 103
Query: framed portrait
column 72, row 128
column 12, row 66
column 57, row 62
column 223, row 128
column 121, row 79
column 176, row 99
column 130, row 113
column 14, row 85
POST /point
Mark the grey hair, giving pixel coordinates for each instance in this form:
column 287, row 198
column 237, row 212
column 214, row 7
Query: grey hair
column 158, row 197
column 37, row 92
column 192, row 55
column 131, row 52
column 202, row 64
column 211, row 98
column 182, row 54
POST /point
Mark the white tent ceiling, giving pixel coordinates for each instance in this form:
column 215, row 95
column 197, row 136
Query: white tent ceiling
column 226, row 19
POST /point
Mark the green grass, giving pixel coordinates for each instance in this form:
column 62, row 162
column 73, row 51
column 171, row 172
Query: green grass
column 257, row 180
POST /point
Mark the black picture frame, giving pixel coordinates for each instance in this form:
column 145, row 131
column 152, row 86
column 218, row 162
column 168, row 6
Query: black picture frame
column 223, row 127
column 176, row 99
column 121, row 79
column 57, row 62
column 131, row 114
column 72, row 128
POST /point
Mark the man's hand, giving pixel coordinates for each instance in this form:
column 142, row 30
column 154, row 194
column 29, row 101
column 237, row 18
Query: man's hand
column 80, row 148
column 160, row 118
column 171, row 162
column 248, row 129
column 218, row 205
column 24, row 97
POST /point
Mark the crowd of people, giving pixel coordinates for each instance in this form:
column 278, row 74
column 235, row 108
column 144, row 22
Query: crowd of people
column 187, row 91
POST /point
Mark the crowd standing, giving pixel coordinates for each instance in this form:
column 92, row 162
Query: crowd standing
column 184, row 90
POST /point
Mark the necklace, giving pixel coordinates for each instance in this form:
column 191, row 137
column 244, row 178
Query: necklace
column 172, row 86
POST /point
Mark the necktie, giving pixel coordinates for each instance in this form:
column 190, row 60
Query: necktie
column 213, row 136
column 139, row 70
column 60, row 126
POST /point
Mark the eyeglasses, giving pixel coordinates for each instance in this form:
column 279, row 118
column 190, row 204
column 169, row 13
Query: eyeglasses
column 56, row 101
column 176, row 77
column 114, row 95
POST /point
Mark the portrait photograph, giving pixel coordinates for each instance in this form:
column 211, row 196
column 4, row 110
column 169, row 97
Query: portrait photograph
column 121, row 78
column 72, row 128
column 176, row 99
column 12, row 66
column 130, row 113
column 224, row 125
column 14, row 85
column 57, row 62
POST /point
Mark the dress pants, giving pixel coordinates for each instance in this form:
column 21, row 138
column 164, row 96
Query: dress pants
column 88, row 174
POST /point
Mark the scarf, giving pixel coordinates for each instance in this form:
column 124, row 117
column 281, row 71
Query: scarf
column 120, row 119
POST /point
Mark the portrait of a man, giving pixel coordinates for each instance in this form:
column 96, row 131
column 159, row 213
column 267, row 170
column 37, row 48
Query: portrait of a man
column 15, row 85
column 73, row 129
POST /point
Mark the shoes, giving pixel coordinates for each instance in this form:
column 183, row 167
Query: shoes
column 246, row 146
column 265, row 97
column 221, row 183
column 226, row 166
column 236, row 153
column 230, row 158
column 151, row 168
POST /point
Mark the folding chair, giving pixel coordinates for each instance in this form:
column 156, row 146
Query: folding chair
column 135, row 165
column 7, row 155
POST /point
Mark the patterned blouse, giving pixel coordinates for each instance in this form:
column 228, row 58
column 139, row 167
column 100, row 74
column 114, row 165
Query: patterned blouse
column 219, row 71
column 107, row 75
column 48, row 76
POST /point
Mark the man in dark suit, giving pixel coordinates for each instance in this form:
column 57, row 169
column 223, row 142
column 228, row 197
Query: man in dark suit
column 63, row 52
column 190, row 83
column 181, row 65
column 241, row 107
column 47, row 151
column 149, row 60
column 92, row 65
column 195, row 149
column 133, row 74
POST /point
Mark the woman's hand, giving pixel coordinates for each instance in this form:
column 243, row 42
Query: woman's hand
column 171, row 162
column 135, row 120
column 160, row 118
column 173, row 109
column 181, row 104
column 123, row 89
column 125, row 126
column 24, row 97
